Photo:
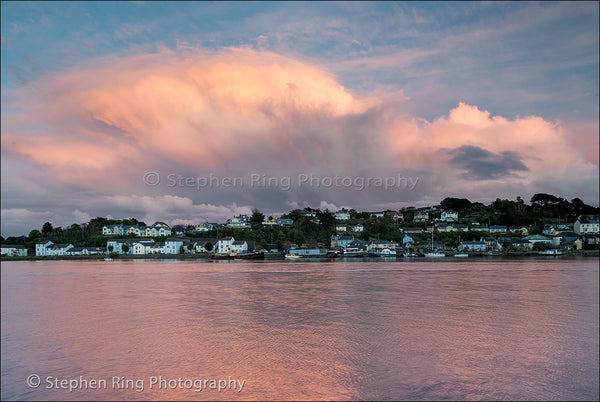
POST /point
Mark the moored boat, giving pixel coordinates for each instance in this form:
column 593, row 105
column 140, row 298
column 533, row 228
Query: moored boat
column 259, row 255
column 461, row 255
column 550, row 252
column 386, row 252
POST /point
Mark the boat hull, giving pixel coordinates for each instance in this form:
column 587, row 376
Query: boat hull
column 244, row 256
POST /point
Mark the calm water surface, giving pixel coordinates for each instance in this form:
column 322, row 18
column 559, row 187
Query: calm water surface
column 485, row 329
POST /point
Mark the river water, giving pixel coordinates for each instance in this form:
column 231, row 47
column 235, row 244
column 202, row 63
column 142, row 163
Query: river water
column 474, row 329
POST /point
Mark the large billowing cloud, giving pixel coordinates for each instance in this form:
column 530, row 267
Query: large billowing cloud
column 202, row 135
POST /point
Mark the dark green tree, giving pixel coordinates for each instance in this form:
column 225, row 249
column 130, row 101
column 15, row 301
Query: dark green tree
column 47, row 228
column 257, row 219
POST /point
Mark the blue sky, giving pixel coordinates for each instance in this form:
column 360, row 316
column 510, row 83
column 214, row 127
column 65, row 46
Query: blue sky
column 417, row 61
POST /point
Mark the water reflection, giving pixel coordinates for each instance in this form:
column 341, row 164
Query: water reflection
column 312, row 330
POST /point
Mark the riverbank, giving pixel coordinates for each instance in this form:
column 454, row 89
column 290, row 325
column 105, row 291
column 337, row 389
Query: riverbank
column 268, row 256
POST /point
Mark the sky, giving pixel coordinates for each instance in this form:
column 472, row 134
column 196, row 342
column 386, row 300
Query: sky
column 187, row 112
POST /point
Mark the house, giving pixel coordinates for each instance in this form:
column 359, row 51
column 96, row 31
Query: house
column 358, row 228
column 285, row 222
column 478, row 227
column 342, row 215
column 269, row 221
column 13, row 250
column 41, row 249
column 522, row 244
column 538, row 239
column 239, row 246
column 586, row 224
column 444, row 228
column 173, row 245
column 523, row 230
column 460, row 227
column 117, row 245
column 407, row 241
column 377, row 214
column 341, row 227
column 414, row 230
column 201, row 245
column 158, row 229
column 397, row 216
column 491, row 243
column 421, row 216
column 59, row 249
column 205, row 227
column 146, row 247
column 239, row 222
column 340, row 241
column 93, row 250
column 565, row 239
column 449, row 216
column 588, row 241
column 381, row 244
column 479, row 246
column 223, row 246
column 498, row 229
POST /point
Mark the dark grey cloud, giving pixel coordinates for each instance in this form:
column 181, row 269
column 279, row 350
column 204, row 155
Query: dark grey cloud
column 482, row 164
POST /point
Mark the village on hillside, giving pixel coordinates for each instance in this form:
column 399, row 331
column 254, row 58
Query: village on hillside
column 454, row 226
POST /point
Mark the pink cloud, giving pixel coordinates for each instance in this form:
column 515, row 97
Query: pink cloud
column 100, row 126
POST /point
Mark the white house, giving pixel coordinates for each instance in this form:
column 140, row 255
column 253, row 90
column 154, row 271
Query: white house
column 117, row 245
column 342, row 215
column 239, row 222
column 586, row 225
column 397, row 216
column 224, row 246
column 59, row 249
column 41, row 249
column 533, row 239
column 173, row 246
column 421, row 216
column 472, row 246
column 358, row 228
column 239, row 246
column 341, row 227
column 12, row 250
column 144, row 247
column 449, row 216
column 200, row 245
column 269, row 221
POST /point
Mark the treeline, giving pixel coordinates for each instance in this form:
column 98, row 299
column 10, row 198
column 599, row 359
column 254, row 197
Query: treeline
column 542, row 209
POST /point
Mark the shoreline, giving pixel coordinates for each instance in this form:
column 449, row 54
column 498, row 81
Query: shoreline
column 272, row 256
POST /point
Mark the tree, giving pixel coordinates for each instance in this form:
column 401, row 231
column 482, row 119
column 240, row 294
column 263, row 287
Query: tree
column 34, row 234
column 125, row 248
column 110, row 248
column 190, row 246
column 257, row 219
column 181, row 250
column 208, row 246
column 327, row 220
column 455, row 204
column 47, row 228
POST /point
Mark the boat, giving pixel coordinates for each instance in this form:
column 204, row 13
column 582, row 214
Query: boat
column 307, row 253
column 550, row 252
column 461, row 255
column 352, row 252
column 410, row 255
column 108, row 259
column 386, row 252
column 259, row 255
column 433, row 253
